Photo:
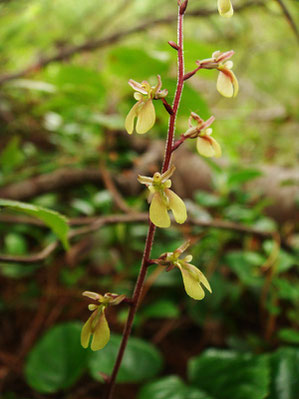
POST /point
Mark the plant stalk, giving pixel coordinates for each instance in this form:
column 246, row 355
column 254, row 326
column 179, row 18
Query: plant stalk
column 152, row 228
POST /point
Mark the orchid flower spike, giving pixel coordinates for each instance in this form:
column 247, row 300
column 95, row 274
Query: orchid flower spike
column 227, row 83
column 225, row 8
column 193, row 278
column 97, row 326
column 205, row 144
column 144, row 109
column 162, row 199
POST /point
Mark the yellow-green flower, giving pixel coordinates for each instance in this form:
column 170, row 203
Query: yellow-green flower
column 97, row 326
column 144, row 109
column 227, row 83
column 193, row 278
column 225, row 8
column 162, row 199
column 205, row 144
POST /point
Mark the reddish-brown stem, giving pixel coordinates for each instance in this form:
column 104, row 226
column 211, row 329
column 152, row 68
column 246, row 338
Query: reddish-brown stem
column 167, row 106
column 152, row 228
column 177, row 143
column 133, row 309
column 177, row 97
column 191, row 73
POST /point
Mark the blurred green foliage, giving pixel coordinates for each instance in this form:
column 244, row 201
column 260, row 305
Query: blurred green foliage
column 71, row 114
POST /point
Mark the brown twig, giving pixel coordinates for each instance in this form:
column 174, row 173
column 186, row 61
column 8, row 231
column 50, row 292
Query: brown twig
column 117, row 197
column 60, row 179
column 92, row 45
column 289, row 18
column 91, row 224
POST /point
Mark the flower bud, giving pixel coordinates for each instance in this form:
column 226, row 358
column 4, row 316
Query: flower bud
column 225, row 8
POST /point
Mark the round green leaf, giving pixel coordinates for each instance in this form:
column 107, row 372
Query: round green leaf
column 227, row 374
column 284, row 374
column 57, row 360
column 141, row 360
column 170, row 388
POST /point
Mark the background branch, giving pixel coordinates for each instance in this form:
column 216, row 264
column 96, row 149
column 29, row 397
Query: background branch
column 92, row 45
column 91, row 224
column 289, row 17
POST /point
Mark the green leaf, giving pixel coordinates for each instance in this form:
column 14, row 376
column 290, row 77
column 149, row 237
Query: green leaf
column 141, row 360
column 12, row 155
column 122, row 58
column 207, row 199
column 228, row 374
column 161, row 309
column 289, row 335
column 243, row 176
column 17, row 270
column 246, row 265
column 287, row 289
column 284, row 374
column 57, row 360
column 170, row 387
column 193, row 100
column 54, row 220
column 15, row 244
column 285, row 259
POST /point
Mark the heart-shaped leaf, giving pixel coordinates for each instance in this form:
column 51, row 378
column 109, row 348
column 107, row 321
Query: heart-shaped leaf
column 284, row 374
column 227, row 374
column 57, row 360
column 141, row 360
column 171, row 387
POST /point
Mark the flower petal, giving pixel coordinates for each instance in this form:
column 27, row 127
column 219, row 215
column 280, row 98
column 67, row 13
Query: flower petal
column 177, row 205
column 101, row 333
column 191, row 284
column 203, row 280
column 146, row 117
column 225, row 84
column 225, row 8
column 92, row 295
column 205, row 147
column 216, row 148
column 86, row 332
column 137, row 86
column 158, row 212
column 166, row 175
column 235, row 83
column 129, row 123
